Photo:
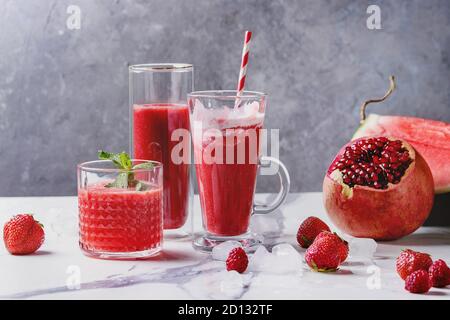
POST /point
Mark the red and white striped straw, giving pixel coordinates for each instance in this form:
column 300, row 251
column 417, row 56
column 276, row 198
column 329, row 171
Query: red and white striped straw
column 244, row 63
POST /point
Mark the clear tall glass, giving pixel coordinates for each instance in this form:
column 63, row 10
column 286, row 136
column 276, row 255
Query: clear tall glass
column 120, row 213
column 226, row 132
column 158, row 111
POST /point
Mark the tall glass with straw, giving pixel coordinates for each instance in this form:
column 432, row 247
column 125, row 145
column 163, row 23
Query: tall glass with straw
column 227, row 129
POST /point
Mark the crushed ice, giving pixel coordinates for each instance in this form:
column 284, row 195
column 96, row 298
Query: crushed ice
column 221, row 251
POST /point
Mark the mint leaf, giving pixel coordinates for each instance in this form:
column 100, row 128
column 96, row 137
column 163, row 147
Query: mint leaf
column 121, row 160
column 125, row 179
column 140, row 186
column 120, row 182
column 103, row 155
column 124, row 160
column 144, row 165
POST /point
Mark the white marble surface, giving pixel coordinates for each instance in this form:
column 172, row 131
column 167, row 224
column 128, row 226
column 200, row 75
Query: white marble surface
column 181, row 273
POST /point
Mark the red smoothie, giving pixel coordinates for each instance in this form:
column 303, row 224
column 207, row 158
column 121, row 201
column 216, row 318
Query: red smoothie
column 226, row 189
column 153, row 125
column 118, row 220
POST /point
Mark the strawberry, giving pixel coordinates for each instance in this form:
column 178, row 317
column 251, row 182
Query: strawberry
column 439, row 274
column 23, row 235
column 341, row 243
column 323, row 255
column 409, row 261
column 309, row 229
column 237, row 260
column 418, row 282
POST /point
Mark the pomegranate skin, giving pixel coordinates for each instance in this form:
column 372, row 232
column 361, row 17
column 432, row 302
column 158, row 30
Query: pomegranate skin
column 386, row 214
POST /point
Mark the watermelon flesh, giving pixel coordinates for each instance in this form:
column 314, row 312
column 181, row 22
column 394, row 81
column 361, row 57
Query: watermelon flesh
column 430, row 137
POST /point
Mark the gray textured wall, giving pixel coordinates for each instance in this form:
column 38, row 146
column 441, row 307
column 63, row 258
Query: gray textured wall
column 63, row 93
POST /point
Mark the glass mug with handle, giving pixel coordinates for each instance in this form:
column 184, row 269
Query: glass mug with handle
column 226, row 135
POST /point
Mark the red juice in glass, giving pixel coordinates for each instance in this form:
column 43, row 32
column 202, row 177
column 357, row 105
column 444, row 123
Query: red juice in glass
column 227, row 133
column 153, row 125
column 227, row 189
column 117, row 220
column 120, row 209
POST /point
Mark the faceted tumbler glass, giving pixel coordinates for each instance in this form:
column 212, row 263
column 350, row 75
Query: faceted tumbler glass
column 120, row 212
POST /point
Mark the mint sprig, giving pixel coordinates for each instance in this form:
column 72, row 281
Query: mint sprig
column 121, row 160
column 125, row 179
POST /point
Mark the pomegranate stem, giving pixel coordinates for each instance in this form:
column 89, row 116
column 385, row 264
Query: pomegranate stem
column 362, row 110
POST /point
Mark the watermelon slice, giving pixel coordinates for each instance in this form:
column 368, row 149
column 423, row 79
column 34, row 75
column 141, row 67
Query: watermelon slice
column 430, row 137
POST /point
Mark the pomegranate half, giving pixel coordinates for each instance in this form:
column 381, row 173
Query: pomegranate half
column 378, row 187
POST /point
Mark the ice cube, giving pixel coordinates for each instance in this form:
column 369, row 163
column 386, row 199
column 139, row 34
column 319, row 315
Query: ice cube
column 287, row 259
column 362, row 247
column 283, row 259
column 221, row 251
column 258, row 259
column 284, row 249
column 232, row 284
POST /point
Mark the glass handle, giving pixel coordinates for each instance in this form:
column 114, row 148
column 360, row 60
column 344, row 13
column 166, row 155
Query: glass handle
column 285, row 183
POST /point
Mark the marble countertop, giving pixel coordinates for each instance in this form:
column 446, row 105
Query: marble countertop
column 60, row 271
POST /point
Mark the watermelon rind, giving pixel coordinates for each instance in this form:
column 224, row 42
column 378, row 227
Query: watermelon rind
column 441, row 173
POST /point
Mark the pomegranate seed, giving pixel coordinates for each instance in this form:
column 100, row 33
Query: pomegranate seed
column 390, row 178
column 404, row 157
column 373, row 162
column 395, row 166
column 348, row 162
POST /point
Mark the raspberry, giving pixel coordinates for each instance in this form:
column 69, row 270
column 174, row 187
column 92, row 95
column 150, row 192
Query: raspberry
column 439, row 274
column 409, row 261
column 418, row 282
column 237, row 260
